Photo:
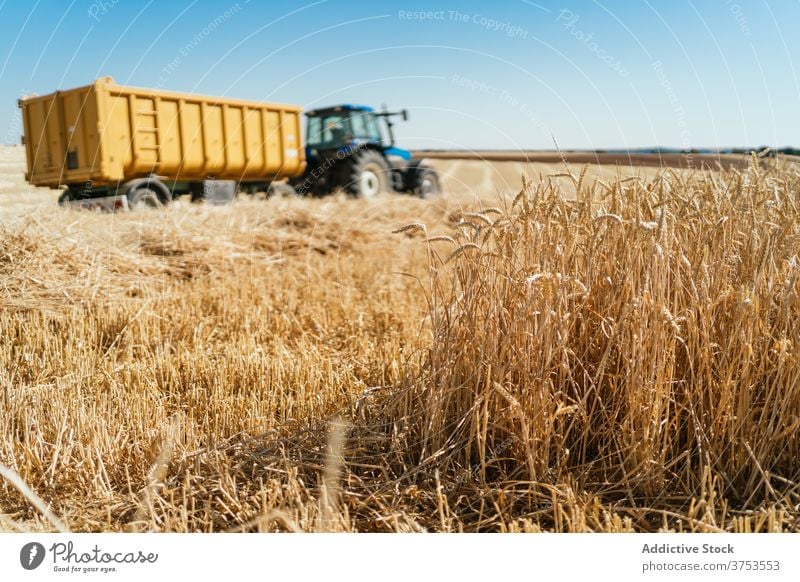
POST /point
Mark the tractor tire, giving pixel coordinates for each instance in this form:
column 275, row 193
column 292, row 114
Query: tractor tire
column 143, row 198
column 368, row 175
column 423, row 182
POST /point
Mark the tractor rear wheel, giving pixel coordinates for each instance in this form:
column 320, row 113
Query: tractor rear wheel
column 368, row 176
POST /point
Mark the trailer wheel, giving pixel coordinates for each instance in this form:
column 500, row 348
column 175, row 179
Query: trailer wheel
column 65, row 198
column 281, row 189
column 143, row 198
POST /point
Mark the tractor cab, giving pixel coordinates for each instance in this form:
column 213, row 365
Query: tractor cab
column 344, row 126
column 352, row 147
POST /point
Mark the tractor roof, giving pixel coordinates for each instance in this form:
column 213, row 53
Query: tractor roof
column 346, row 107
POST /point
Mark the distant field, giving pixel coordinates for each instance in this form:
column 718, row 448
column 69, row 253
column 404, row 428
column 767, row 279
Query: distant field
column 608, row 348
column 670, row 160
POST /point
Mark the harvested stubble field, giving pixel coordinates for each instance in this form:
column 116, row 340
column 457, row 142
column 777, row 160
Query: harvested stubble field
column 624, row 361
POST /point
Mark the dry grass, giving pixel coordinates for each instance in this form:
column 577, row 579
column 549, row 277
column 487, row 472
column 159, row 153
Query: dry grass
column 627, row 361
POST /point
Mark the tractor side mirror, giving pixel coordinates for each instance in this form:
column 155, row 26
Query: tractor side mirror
column 405, row 114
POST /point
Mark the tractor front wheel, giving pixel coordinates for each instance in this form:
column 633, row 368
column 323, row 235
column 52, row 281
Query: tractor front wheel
column 423, row 182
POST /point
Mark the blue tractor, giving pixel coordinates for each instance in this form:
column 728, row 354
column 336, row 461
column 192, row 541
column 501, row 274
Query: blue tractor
column 351, row 147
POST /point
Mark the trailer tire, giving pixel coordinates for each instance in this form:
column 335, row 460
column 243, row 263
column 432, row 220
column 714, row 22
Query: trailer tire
column 143, row 198
column 151, row 183
column 65, row 198
column 281, row 189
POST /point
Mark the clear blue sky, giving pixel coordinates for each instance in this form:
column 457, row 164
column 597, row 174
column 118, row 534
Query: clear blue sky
column 473, row 74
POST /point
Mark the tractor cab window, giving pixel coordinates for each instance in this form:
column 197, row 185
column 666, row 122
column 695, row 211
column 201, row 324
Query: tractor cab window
column 329, row 130
column 365, row 128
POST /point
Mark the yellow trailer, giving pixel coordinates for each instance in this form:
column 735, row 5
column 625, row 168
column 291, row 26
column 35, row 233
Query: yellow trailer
column 146, row 145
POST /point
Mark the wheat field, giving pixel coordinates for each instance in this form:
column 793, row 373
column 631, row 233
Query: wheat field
column 623, row 358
